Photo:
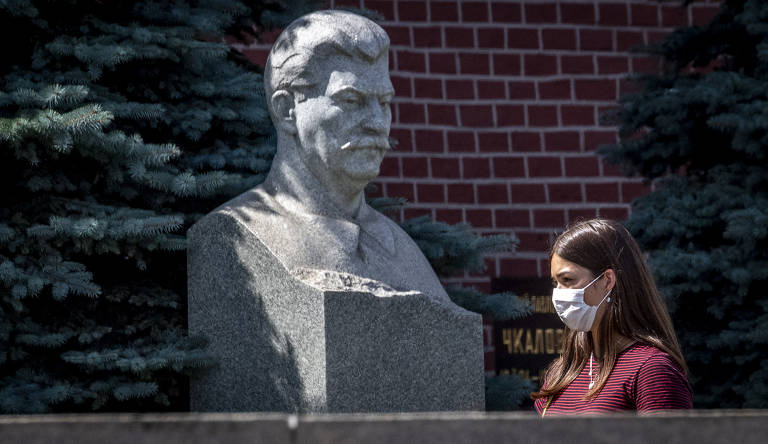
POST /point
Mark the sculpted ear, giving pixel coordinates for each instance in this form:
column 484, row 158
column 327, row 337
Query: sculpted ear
column 283, row 107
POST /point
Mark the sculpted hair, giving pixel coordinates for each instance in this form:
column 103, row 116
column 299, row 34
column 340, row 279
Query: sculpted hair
column 317, row 36
column 636, row 310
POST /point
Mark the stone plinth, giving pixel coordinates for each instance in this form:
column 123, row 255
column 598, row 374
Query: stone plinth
column 312, row 341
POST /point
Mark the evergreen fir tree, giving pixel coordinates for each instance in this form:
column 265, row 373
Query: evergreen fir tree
column 98, row 101
column 700, row 130
column 121, row 123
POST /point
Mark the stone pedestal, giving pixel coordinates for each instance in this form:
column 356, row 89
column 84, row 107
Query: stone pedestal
column 287, row 343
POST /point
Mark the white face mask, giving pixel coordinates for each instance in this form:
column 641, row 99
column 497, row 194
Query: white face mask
column 573, row 311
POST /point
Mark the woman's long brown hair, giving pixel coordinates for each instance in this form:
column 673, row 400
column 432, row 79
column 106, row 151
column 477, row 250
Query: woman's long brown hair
column 636, row 310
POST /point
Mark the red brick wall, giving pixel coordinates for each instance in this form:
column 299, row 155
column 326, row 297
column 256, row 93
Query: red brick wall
column 497, row 111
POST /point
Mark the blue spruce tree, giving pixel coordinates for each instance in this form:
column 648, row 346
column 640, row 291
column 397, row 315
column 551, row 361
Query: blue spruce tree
column 699, row 130
column 121, row 123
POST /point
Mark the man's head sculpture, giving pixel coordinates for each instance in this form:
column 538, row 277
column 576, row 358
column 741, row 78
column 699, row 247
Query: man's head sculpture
column 328, row 91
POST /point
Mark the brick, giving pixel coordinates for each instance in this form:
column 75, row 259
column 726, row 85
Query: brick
column 629, row 86
column 461, row 141
column 647, row 65
column 445, row 167
column 593, row 139
column 444, row 11
column 413, row 213
column 474, row 63
column 350, row 3
column 476, row 167
column 411, row 61
column 632, row 190
column 523, row 38
column 404, row 139
column 461, row 193
column 578, row 13
column 582, row 167
column 430, row 193
column 611, row 170
column 442, row 63
column 613, row 14
column 562, row 141
column 398, row 35
column 577, row 115
column 459, row 89
column 257, row 56
column 427, row 37
column 595, row 89
column 595, row 40
column 612, row 65
column 385, row 8
column 428, row 88
column 580, row 214
column 542, row 115
column 400, row 189
column 548, row 218
column 508, row 167
column 490, row 38
column 533, row 241
column 540, row 65
column 474, row 11
column 492, row 193
column 441, row 114
column 644, row 15
column 506, row 64
column 448, row 216
column 493, row 142
column 527, row 193
column 459, row 37
column 629, row 40
column 412, row 11
column 656, row 36
column 390, row 167
column 602, row 192
column 476, row 115
column 544, row 167
column 506, row 12
column 491, row 89
column 410, row 113
column 558, row 39
column 414, row 166
column 702, row 15
column 577, row 64
column 617, row 214
column 517, row 268
column 540, row 12
column 402, row 86
column 510, row 115
column 480, row 218
column 429, row 141
column 564, row 192
column 521, row 90
column 525, row 141
column 512, row 218
column 555, row 89
column 673, row 16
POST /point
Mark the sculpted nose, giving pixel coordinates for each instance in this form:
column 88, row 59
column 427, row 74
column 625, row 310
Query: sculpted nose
column 377, row 117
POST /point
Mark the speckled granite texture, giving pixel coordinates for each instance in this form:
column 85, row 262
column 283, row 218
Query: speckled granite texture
column 311, row 299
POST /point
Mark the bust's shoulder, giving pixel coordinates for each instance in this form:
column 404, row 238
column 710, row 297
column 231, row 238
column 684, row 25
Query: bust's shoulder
column 255, row 206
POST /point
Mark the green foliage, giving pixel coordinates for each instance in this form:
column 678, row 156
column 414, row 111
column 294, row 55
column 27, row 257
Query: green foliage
column 702, row 127
column 120, row 123
column 506, row 392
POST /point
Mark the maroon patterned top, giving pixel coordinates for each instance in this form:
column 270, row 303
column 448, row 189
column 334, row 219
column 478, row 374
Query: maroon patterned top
column 644, row 379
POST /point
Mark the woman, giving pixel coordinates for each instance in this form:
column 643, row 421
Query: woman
column 619, row 349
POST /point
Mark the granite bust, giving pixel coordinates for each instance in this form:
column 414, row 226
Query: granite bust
column 274, row 272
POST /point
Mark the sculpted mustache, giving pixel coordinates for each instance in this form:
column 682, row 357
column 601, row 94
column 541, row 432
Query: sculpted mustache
column 381, row 143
